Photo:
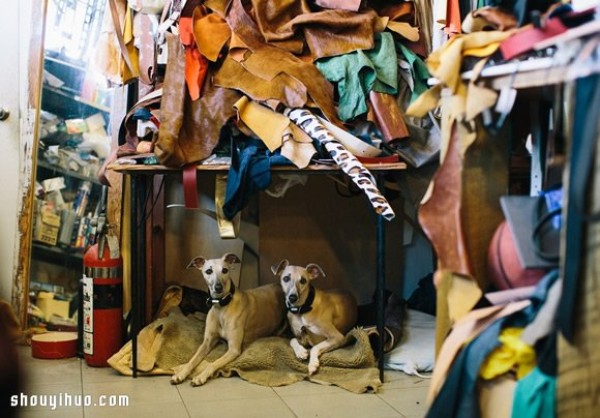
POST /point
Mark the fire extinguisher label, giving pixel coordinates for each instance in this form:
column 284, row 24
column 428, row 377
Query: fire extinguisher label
column 88, row 314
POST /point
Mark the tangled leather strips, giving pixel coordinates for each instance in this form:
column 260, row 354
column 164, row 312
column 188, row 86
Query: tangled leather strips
column 266, row 62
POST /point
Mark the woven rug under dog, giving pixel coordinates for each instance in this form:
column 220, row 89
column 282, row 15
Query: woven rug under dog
column 170, row 342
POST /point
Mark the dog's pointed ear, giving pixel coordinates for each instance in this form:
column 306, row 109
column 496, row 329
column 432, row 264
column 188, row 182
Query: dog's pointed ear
column 231, row 258
column 278, row 268
column 314, row 271
column 197, row 263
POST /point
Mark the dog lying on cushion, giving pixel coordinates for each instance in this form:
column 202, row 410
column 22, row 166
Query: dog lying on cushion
column 319, row 319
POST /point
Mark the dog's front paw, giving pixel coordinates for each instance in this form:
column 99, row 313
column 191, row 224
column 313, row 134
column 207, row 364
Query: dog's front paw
column 200, row 379
column 313, row 366
column 178, row 378
column 300, row 351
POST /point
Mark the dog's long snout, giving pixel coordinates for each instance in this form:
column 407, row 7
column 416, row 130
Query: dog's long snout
column 293, row 298
column 218, row 287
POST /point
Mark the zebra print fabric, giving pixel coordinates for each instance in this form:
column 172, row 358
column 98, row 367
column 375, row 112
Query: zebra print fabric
column 344, row 159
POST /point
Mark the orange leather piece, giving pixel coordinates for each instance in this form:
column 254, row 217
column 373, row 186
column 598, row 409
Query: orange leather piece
column 211, row 33
column 453, row 19
column 196, row 65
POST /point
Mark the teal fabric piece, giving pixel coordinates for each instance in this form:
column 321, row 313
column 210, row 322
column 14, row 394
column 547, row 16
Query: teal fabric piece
column 419, row 71
column 535, row 396
column 357, row 73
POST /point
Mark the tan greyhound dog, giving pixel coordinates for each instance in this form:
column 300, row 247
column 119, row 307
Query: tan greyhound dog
column 237, row 316
column 318, row 318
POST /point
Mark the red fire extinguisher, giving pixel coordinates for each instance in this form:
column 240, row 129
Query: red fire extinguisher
column 102, row 301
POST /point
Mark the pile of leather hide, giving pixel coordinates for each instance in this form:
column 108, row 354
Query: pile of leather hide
column 356, row 63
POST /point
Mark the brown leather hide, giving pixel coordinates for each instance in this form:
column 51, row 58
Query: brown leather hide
column 388, row 116
column 260, row 59
column 189, row 130
column 440, row 215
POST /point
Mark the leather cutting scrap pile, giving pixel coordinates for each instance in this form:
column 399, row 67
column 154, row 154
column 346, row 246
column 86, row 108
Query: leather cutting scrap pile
column 217, row 75
column 221, row 68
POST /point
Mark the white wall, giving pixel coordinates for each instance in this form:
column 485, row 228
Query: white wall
column 13, row 73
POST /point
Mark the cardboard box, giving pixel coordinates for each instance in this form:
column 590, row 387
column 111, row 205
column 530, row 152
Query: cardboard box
column 52, row 307
column 47, row 225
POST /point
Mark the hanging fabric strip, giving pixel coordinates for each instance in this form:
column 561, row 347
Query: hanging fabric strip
column 228, row 228
column 343, row 158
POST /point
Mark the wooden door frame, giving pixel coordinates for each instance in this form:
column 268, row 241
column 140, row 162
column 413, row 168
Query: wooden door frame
column 29, row 140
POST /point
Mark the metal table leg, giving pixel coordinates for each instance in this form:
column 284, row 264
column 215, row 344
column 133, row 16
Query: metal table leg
column 380, row 286
column 137, row 254
column 380, row 290
column 133, row 221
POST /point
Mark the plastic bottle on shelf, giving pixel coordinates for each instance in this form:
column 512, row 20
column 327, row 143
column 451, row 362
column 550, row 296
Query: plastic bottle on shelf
column 82, row 197
column 82, row 233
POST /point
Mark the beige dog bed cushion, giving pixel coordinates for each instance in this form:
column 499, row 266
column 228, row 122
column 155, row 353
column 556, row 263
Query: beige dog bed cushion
column 171, row 341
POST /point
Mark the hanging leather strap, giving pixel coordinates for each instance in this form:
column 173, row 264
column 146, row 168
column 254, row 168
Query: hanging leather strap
column 190, row 186
column 119, row 32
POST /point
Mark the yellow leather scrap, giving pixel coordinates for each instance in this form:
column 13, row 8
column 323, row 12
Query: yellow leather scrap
column 463, row 294
column 404, row 29
column 228, row 228
column 129, row 73
column 478, row 98
column 211, row 33
column 425, row 103
column 481, row 51
column 268, row 125
column 298, row 147
column 512, row 354
column 445, row 64
column 456, row 297
column 276, row 131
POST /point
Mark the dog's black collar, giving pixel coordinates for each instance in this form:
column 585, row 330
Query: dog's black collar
column 307, row 306
column 224, row 301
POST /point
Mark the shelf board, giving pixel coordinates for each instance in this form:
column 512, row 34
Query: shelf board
column 69, row 173
column 312, row 168
column 59, row 251
column 65, row 63
column 76, row 98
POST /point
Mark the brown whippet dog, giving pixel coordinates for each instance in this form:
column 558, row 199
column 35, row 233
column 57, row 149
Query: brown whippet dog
column 318, row 318
column 237, row 316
